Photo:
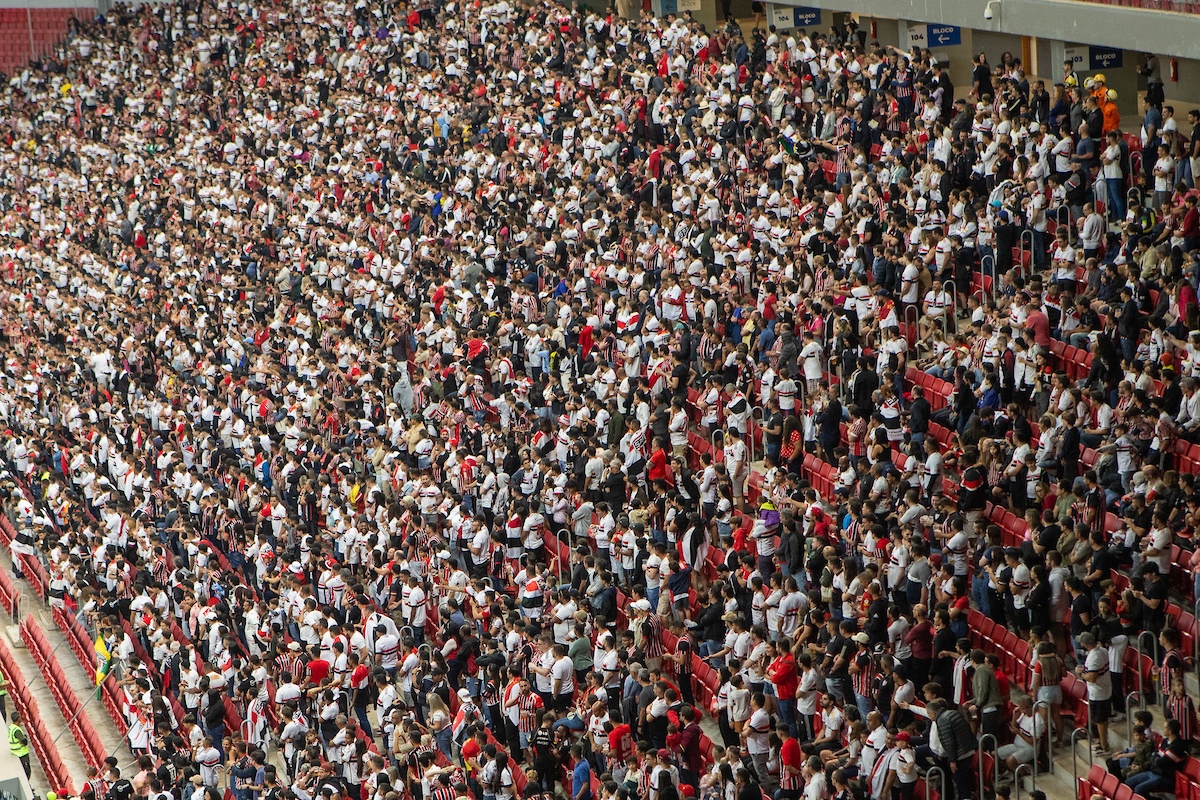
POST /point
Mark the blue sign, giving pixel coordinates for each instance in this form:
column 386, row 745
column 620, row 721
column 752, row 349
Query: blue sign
column 1104, row 57
column 806, row 16
column 943, row 35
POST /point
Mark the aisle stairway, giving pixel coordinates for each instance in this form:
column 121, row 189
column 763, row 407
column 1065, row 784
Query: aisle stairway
column 68, row 680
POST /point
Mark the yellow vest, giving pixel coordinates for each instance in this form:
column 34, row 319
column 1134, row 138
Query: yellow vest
column 18, row 748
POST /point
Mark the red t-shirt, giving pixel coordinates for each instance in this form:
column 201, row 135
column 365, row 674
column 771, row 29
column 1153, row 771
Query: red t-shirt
column 658, row 467
column 1039, row 323
column 470, row 749
column 620, row 742
column 317, row 670
column 789, row 756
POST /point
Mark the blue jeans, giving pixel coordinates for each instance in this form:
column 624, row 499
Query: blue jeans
column 864, row 704
column 364, row 723
column 979, row 594
column 1144, row 783
column 1115, row 188
column 445, row 739
column 787, row 713
column 652, row 596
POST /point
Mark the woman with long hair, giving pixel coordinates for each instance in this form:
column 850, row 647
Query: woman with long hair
column 439, row 721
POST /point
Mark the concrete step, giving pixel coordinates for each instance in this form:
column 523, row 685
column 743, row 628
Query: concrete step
column 83, row 686
column 47, row 710
column 85, row 690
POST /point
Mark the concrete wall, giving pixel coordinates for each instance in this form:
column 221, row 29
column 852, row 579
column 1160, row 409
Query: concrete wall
column 80, row 4
column 1110, row 26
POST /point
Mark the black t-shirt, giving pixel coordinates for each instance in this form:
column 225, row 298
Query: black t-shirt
column 1079, row 606
column 1101, row 561
column 839, row 646
column 1048, row 536
column 1153, row 619
column 1038, row 603
column 774, row 421
column 680, row 373
column 121, row 790
column 982, row 75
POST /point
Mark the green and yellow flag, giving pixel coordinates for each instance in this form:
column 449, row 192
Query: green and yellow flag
column 105, row 662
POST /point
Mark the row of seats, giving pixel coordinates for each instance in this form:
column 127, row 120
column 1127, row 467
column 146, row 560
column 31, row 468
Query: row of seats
column 44, row 15
column 1187, row 781
column 83, row 647
column 40, row 741
column 81, row 727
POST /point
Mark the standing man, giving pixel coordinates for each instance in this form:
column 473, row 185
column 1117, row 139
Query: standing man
column 1099, row 686
column 18, row 742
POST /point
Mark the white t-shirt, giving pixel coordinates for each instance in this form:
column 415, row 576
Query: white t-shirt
column 758, row 732
column 564, row 671
column 1097, row 662
column 910, row 275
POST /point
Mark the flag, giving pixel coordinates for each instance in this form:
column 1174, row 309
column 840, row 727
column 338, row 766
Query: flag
column 105, row 662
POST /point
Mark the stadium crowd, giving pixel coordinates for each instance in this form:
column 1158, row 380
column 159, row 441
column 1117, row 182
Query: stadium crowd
column 324, row 323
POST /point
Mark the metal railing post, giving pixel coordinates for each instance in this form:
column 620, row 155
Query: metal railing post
column 1058, row 218
column 916, row 316
column 836, row 363
column 1022, row 250
column 941, row 781
column 756, row 422
column 954, row 301
column 1017, row 779
column 1129, row 717
column 983, row 274
column 1137, row 648
column 1157, row 658
column 1049, row 728
column 1091, row 743
column 1075, row 750
column 995, row 762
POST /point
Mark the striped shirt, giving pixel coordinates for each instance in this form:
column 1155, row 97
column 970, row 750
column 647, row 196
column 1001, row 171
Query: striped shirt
column 528, row 703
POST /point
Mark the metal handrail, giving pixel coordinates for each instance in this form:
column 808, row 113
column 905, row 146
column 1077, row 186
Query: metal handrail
column 1137, row 648
column 1075, row 734
column 753, row 422
column 18, row 601
column 1157, row 658
column 941, row 784
column 995, row 762
column 837, row 370
column 1017, row 778
column 983, row 273
column 916, row 316
column 953, row 287
column 1129, row 717
column 1091, row 743
column 1133, row 193
column 1072, row 234
column 1022, row 250
column 1049, row 731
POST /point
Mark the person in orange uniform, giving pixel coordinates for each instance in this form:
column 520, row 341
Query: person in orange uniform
column 1112, row 115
